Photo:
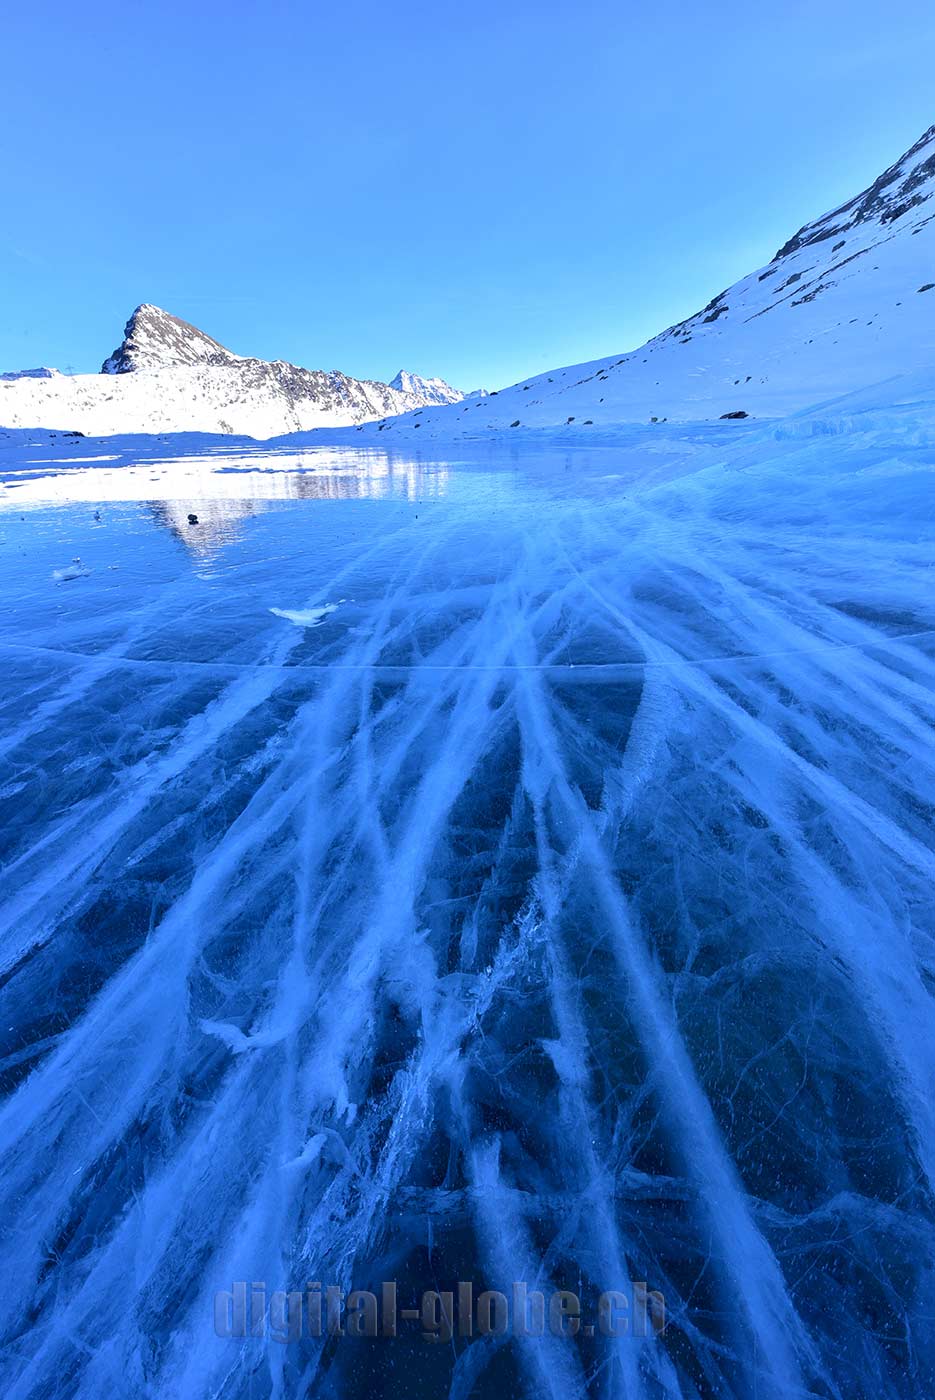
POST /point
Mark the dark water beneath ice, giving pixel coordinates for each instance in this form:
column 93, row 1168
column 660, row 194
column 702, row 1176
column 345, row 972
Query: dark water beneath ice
column 547, row 900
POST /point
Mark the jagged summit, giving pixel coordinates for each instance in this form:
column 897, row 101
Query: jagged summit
column 429, row 390
column 153, row 339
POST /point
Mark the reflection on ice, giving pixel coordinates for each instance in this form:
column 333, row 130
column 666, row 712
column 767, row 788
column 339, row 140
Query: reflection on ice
column 560, row 912
column 255, row 476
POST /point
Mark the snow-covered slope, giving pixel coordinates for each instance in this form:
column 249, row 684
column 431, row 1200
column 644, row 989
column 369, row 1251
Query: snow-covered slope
column 167, row 376
column 848, row 301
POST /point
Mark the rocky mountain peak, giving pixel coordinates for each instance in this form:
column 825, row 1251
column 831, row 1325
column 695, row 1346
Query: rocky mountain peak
column 153, row 339
column 427, row 391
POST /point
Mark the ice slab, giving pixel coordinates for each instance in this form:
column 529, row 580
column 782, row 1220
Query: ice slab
column 560, row 912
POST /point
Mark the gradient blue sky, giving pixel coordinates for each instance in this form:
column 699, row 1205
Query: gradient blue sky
column 480, row 191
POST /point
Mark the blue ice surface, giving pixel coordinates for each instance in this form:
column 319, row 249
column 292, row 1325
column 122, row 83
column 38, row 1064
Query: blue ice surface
column 555, row 908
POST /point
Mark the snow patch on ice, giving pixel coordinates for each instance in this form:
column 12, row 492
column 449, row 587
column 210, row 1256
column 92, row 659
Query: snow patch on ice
column 73, row 570
column 306, row 617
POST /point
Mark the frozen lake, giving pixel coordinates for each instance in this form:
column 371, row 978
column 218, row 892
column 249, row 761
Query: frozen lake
column 514, row 867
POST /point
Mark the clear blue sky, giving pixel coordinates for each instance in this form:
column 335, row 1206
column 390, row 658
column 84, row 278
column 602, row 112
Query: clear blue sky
column 480, row 190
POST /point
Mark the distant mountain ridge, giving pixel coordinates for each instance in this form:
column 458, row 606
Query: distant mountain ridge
column 168, row 376
column 43, row 372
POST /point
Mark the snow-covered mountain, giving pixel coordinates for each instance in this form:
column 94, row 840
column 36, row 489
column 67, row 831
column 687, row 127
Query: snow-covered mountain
column 427, row 390
column 848, row 301
column 167, row 376
column 152, row 339
column 43, row 372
